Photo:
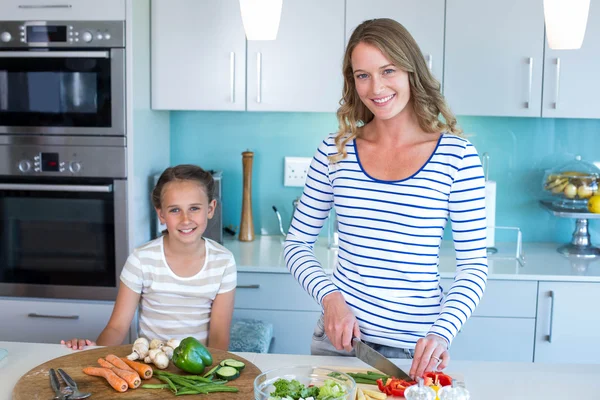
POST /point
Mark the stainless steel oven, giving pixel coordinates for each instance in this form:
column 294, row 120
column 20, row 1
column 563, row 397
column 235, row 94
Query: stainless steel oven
column 62, row 77
column 62, row 216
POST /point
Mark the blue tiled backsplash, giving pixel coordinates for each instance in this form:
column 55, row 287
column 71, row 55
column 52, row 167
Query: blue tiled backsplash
column 520, row 150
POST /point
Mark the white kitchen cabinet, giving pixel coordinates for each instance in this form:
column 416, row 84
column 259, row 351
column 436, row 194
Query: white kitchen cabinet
column 494, row 57
column 495, row 339
column 198, row 55
column 279, row 299
column 423, row 19
column 571, row 83
column 302, row 69
column 48, row 10
column 292, row 330
column 567, row 323
column 50, row 321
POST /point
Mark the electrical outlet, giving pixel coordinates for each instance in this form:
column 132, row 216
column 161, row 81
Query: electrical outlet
column 295, row 170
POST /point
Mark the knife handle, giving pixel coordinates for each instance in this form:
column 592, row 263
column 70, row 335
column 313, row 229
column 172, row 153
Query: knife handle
column 549, row 336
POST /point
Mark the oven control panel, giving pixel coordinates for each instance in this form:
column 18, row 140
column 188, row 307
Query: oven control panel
column 49, row 162
column 49, row 34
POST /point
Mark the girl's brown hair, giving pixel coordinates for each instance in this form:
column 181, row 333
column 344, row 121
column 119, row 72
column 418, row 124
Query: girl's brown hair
column 184, row 172
column 397, row 44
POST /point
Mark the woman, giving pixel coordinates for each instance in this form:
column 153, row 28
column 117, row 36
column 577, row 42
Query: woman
column 395, row 174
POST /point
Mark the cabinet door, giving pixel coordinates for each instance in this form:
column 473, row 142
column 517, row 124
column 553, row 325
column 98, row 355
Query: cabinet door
column 571, row 85
column 198, row 55
column 412, row 14
column 45, row 10
column 302, row 69
column 495, row 339
column 568, row 323
column 292, row 330
column 494, row 55
column 32, row 320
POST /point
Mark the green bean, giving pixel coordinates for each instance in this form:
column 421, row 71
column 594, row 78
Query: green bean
column 169, row 382
column 206, row 375
column 155, row 386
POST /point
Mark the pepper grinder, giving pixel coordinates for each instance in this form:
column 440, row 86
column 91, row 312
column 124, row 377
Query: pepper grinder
column 247, row 225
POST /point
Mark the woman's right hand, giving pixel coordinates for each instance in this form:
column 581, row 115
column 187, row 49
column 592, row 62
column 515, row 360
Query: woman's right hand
column 77, row 344
column 340, row 324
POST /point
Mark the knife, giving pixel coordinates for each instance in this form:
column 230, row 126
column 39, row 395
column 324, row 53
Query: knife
column 377, row 360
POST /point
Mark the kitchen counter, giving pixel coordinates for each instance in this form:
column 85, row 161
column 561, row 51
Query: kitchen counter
column 541, row 260
column 485, row 380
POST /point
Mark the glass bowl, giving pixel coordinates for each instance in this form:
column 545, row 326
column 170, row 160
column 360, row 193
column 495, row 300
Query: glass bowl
column 305, row 374
column 572, row 184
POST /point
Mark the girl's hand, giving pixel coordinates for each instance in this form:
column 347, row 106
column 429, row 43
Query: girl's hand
column 77, row 344
column 340, row 324
column 431, row 353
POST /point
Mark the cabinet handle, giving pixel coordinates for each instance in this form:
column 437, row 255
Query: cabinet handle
column 551, row 295
column 255, row 286
column 28, row 6
column 429, row 61
column 258, row 77
column 232, row 76
column 529, row 82
column 36, row 315
column 555, row 105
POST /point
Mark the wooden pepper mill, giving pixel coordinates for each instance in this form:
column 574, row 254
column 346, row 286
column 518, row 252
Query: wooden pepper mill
column 247, row 225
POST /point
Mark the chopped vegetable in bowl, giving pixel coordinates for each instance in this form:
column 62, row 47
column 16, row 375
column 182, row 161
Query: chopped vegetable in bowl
column 304, row 383
column 294, row 390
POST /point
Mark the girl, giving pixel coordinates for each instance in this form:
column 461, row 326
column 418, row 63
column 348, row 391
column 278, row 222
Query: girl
column 395, row 173
column 184, row 284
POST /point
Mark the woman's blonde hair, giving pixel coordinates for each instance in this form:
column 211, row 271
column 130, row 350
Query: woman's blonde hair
column 397, row 44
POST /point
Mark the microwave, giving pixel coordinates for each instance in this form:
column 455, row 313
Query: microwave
column 214, row 229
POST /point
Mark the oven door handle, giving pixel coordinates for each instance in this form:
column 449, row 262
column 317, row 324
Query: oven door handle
column 54, row 54
column 57, row 188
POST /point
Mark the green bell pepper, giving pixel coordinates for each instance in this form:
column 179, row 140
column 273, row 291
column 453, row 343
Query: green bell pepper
column 191, row 356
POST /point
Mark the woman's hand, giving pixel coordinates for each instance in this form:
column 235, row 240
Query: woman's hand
column 77, row 344
column 340, row 324
column 429, row 352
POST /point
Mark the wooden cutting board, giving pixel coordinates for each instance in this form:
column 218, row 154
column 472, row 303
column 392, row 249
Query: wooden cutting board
column 35, row 384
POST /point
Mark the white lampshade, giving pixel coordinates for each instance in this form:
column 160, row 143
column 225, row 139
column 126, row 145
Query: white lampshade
column 566, row 21
column 261, row 18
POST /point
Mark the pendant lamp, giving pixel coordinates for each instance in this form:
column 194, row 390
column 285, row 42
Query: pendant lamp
column 566, row 21
column 261, row 18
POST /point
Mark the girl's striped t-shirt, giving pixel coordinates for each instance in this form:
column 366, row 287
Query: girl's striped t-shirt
column 390, row 234
column 174, row 307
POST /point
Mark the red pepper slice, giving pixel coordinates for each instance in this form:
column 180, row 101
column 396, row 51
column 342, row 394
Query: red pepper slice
column 439, row 378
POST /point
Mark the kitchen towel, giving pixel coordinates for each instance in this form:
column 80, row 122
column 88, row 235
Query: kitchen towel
column 490, row 212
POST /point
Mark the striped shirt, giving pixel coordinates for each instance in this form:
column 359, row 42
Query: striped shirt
column 390, row 234
column 172, row 306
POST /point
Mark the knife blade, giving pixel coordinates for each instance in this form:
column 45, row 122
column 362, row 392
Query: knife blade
column 377, row 360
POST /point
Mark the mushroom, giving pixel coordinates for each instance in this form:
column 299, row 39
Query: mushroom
column 140, row 349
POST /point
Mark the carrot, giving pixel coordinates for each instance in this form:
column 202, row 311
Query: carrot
column 132, row 378
column 117, row 362
column 117, row 383
column 144, row 370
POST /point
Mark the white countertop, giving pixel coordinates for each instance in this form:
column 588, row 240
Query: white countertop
column 542, row 261
column 485, row 380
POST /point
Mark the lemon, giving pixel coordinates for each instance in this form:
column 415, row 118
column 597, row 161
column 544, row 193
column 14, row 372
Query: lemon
column 594, row 204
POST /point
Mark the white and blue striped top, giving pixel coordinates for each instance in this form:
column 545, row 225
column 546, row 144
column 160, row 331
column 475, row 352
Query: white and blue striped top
column 390, row 234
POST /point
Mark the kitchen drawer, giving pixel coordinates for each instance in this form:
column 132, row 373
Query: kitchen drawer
column 505, row 298
column 63, row 10
column 495, row 339
column 292, row 330
column 43, row 321
column 272, row 292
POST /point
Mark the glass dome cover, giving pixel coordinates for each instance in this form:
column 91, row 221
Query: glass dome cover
column 572, row 183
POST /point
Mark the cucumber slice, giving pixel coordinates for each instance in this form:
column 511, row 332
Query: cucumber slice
column 234, row 363
column 230, row 362
column 227, row 373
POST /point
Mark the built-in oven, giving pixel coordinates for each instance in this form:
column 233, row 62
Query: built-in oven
column 62, row 78
column 62, row 216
